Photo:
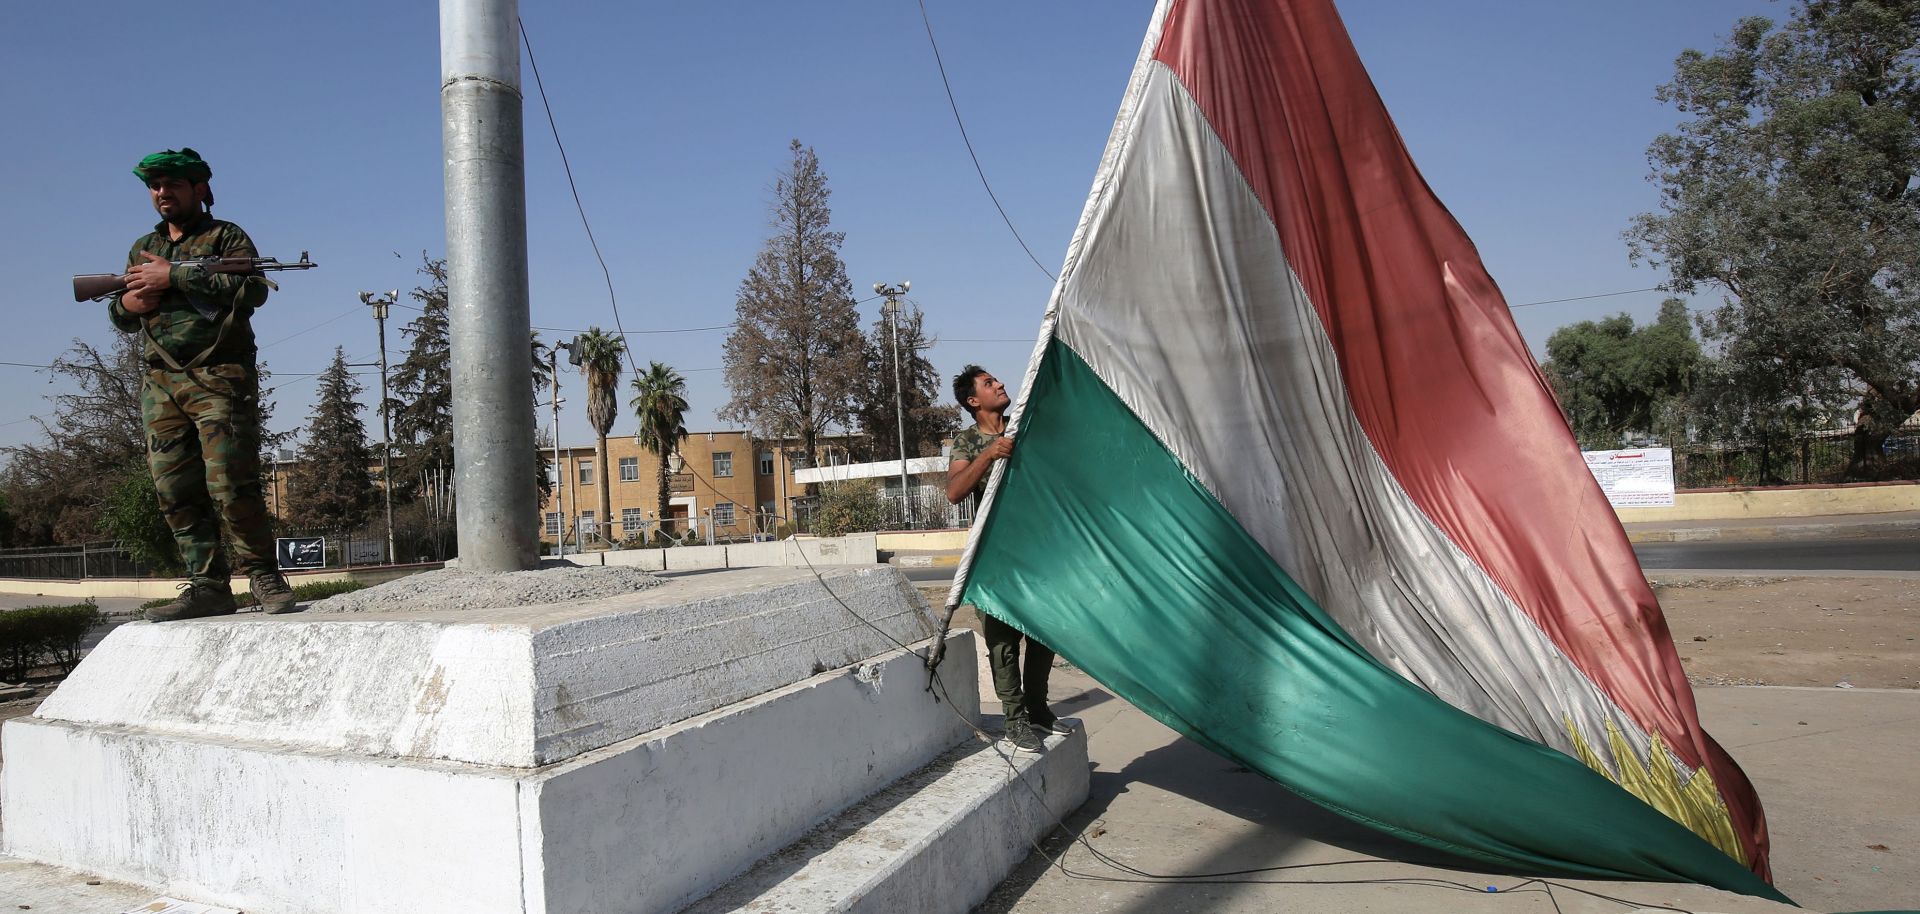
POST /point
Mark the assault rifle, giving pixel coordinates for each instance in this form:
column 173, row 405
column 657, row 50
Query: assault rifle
column 96, row 286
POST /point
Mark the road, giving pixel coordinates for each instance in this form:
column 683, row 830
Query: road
column 1853, row 554
column 1838, row 554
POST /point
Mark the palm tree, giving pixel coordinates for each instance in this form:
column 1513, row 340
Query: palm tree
column 599, row 354
column 660, row 402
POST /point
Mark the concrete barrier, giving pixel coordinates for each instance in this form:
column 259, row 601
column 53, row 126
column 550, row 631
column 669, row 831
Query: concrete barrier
column 1784, row 501
column 922, row 540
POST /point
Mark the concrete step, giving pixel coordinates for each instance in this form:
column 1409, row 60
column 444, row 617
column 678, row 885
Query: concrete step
column 936, row 841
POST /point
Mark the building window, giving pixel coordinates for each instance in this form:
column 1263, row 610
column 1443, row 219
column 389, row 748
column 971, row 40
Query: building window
column 722, row 464
column 553, row 523
column 586, row 472
column 632, row 520
column 629, row 469
column 723, row 514
column 766, row 463
column 588, row 527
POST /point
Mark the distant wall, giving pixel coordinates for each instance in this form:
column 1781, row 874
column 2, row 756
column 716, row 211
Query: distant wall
column 149, row 588
column 857, row 549
column 922, row 540
column 1783, row 501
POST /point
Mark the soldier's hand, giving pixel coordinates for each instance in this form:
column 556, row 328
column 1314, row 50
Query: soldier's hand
column 133, row 303
column 149, row 279
column 1000, row 449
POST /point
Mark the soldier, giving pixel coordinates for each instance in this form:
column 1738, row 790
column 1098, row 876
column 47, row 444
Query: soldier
column 200, row 400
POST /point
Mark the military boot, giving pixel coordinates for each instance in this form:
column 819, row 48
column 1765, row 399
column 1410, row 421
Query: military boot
column 270, row 590
column 197, row 600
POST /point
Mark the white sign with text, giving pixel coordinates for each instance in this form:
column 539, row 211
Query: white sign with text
column 1639, row 478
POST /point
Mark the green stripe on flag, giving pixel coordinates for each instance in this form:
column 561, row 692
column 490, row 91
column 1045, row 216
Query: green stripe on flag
column 1105, row 548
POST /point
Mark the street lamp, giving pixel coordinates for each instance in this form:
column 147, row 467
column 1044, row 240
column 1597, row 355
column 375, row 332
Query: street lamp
column 892, row 312
column 380, row 304
column 559, row 473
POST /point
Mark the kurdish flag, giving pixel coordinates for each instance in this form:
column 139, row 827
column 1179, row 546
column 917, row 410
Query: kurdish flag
column 1289, row 481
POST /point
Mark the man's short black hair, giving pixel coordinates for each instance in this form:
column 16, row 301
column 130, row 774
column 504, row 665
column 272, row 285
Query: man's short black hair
column 963, row 384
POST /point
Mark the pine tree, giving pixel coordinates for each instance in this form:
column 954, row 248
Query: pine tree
column 796, row 356
column 421, row 398
column 930, row 418
column 333, row 489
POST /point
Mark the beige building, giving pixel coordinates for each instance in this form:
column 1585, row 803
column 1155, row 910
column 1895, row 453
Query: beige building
column 728, row 482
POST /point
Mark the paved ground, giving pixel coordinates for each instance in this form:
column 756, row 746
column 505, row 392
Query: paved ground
column 1885, row 553
column 1828, row 764
column 1867, row 542
column 106, row 604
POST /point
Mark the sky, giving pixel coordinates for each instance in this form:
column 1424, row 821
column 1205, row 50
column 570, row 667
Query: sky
column 1530, row 120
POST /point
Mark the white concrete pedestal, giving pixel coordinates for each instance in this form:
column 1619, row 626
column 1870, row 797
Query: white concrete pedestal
column 627, row 755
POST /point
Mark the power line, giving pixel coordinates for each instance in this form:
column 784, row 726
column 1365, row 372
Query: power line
column 937, row 62
column 581, row 207
column 727, row 326
column 1556, row 301
column 348, row 313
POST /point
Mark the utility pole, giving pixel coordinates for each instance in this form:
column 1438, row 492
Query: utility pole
column 489, row 334
column 380, row 306
column 559, row 474
column 892, row 311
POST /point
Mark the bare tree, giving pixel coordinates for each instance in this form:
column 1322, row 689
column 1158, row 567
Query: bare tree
column 796, row 357
column 95, row 439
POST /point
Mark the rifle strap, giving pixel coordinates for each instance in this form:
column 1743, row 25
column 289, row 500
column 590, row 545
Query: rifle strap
column 226, row 324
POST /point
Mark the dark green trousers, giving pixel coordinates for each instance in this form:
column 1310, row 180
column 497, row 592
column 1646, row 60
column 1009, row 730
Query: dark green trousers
column 203, row 449
column 1022, row 692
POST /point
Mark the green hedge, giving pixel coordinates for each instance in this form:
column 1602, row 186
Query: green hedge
column 40, row 636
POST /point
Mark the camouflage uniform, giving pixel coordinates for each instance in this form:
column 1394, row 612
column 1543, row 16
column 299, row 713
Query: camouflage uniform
column 201, row 401
column 1022, row 697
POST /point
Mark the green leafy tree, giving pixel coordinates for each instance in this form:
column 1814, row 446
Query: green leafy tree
column 796, row 354
column 1791, row 189
column 333, row 489
column 600, row 355
column 1615, row 380
column 660, row 403
column 847, row 507
column 929, row 418
column 131, row 515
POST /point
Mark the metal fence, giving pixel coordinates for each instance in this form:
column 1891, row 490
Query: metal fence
column 343, row 549
column 71, row 563
column 1816, row 459
column 924, row 508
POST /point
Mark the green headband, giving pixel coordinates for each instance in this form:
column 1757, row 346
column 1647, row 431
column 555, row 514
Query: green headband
column 184, row 163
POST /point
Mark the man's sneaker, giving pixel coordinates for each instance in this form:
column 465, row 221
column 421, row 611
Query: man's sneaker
column 1020, row 735
column 270, row 590
column 1049, row 726
column 197, row 600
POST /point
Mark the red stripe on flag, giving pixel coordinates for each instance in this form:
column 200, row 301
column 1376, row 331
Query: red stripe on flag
column 1437, row 371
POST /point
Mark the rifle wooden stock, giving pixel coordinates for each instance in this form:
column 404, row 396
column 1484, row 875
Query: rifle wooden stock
column 97, row 285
